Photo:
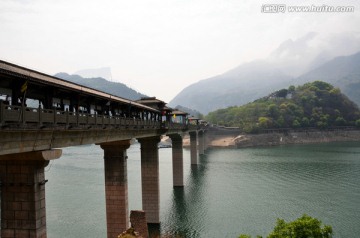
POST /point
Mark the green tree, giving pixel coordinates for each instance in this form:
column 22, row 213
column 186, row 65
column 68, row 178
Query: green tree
column 264, row 122
column 296, row 124
column 244, row 236
column 273, row 110
column 282, row 93
column 303, row 227
column 291, row 89
column 357, row 123
column 340, row 121
column 305, row 122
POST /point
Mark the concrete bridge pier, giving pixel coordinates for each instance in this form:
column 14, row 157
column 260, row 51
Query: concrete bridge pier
column 22, row 177
column 177, row 160
column 201, row 139
column 193, row 147
column 206, row 140
column 150, row 178
column 116, row 187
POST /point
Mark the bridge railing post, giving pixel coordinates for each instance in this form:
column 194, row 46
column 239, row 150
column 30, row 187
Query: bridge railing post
column 40, row 115
column 55, row 113
column 1, row 112
column 88, row 115
column 67, row 117
column 23, row 116
column 118, row 121
column 125, row 122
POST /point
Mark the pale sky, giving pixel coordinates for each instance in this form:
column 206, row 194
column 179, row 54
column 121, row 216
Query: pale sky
column 157, row 47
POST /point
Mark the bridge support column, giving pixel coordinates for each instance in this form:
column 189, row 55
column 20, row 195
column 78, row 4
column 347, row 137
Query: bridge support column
column 150, row 178
column 193, row 147
column 116, row 187
column 206, row 140
column 22, row 177
column 201, row 143
column 177, row 160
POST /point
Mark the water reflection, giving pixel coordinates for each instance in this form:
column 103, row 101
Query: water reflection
column 230, row 192
column 188, row 209
column 244, row 191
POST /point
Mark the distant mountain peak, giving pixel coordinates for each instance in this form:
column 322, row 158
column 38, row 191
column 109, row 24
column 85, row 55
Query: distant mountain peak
column 291, row 59
column 114, row 88
column 104, row 72
column 296, row 57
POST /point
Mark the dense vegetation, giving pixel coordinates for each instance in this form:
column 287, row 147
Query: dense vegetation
column 302, row 227
column 316, row 104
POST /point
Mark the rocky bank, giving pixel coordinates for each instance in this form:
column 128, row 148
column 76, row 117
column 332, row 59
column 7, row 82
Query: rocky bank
column 296, row 137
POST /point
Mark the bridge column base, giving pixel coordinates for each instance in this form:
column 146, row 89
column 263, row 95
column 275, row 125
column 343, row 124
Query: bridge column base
column 201, row 143
column 177, row 160
column 116, row 187
column 150, row 178
column 22, row 177
column 193, row 147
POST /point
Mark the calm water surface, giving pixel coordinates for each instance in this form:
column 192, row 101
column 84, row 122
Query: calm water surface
column 230, row 192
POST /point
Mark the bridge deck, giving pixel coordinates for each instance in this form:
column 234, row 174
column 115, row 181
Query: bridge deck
column 63, row 114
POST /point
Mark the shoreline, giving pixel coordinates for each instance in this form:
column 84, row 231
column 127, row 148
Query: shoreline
column 296, row 137
column 286, row 137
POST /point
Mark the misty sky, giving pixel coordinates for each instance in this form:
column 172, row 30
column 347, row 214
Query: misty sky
column 157, row 47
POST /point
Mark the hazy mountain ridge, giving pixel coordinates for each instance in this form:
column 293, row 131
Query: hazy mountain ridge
column 114, row 88
column 315, row 104
column 234, row 87
column 104, row 72
column 342, row 72
column 304, row 56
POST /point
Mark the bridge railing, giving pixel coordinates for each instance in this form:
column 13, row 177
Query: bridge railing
column 21, row 115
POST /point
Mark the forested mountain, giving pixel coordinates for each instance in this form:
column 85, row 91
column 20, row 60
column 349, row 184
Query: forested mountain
column 114, row 88
column 342, row 72
column 294, row 62
column 316, row 104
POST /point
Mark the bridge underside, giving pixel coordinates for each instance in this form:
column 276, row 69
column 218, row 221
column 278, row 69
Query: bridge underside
column 36, row 140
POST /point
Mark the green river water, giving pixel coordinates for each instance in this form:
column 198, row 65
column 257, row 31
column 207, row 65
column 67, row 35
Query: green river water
column 230, row 191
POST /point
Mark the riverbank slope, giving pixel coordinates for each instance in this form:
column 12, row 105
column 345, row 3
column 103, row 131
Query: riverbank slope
column 236, row 139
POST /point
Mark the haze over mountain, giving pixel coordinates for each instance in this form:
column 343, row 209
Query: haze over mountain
column 114, row 88
column 256, row 79
column 295, row 57
column 342, row 72
column 104, row 72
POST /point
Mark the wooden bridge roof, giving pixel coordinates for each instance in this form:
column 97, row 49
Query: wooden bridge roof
column 35, row 76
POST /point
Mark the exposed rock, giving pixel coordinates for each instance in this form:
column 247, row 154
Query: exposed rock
column 296, row 137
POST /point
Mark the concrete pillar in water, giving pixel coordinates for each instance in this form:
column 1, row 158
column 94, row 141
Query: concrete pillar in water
column 23, row 212
column 206, row 140
column 177, row 160
column 201, row 142
column 116, row 187
column 150, row 178
column 193, row 147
